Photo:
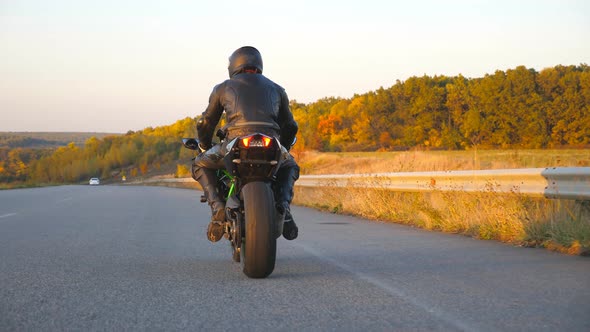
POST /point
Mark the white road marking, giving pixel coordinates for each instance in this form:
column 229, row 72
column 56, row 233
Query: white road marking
column 391, row 289
column 7, row 215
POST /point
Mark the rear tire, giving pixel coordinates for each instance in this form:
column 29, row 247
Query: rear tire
column 259, row 247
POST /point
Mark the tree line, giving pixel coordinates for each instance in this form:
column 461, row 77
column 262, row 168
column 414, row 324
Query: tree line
column 130, row 155
column 44, row 139
column 519, row 108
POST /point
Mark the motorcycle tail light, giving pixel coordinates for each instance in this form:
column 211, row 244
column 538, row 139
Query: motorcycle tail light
column 246, row 141
column 259, row 141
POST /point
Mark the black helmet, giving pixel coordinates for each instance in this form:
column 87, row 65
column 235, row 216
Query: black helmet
column 244, row 57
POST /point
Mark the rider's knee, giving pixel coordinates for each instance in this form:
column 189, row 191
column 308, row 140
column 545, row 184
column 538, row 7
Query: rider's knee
column 196, row 172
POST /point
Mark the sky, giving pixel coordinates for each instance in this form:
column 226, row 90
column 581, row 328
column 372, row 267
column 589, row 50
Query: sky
column 117, row 65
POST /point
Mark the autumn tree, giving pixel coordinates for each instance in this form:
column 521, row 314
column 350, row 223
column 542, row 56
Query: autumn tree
column 518, row 107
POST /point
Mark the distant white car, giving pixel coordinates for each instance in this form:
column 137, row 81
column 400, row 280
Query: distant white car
column 94, row 181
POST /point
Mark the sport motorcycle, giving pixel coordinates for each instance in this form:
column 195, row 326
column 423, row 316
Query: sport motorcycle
column 253, row 223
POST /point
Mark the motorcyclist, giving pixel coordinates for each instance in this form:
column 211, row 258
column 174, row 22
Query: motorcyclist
column 252, row 103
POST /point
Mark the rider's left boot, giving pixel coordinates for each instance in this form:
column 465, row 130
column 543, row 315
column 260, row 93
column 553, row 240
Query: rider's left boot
column 207, row 179
column 216, row 227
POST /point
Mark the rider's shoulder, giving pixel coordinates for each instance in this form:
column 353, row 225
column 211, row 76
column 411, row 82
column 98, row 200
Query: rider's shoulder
column 271, row 82
column 219, row 87
column 279, row 87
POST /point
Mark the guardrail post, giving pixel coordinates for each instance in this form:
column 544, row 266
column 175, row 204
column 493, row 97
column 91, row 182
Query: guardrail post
column 583, row 208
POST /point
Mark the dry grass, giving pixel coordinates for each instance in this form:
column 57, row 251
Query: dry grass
column 559, row 225
column 312, row 162
column 563, row 226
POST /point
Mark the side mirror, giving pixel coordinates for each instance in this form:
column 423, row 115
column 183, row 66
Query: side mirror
column 190, row 143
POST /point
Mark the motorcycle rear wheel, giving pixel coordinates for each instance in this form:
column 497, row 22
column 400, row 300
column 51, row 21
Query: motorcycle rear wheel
column 259, row 246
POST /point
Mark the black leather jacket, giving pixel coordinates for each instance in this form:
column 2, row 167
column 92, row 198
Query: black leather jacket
column 252, row 103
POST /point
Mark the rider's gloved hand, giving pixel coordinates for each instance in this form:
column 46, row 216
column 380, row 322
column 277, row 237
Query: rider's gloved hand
column 203, row 148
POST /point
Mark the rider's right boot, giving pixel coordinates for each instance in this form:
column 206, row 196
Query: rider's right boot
column 286, row 178
column 290, row 229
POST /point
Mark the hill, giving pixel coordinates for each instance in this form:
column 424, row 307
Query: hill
column 103, row 155
column 45, row 139
column 517, row 109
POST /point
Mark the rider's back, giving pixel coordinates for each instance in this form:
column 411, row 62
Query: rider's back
column 251, row 100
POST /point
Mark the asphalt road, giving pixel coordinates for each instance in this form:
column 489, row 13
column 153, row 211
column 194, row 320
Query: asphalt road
column 136, row 258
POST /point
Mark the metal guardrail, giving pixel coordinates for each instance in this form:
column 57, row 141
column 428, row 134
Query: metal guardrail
column 558, row 182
